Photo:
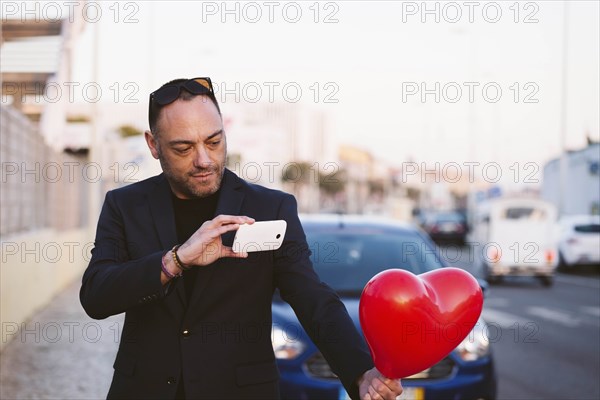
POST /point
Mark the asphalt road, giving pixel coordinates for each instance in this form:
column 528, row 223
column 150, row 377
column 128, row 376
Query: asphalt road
column 546, row 341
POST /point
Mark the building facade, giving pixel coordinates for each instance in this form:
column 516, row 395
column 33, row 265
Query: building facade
column 581, row 191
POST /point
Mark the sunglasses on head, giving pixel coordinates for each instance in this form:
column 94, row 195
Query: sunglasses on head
column 169, row 93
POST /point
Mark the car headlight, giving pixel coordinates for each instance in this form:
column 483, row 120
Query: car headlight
column 476, row 345
column 286, row 345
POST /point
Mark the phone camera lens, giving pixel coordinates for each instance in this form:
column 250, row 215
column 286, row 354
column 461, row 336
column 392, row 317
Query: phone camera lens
column 278, row 236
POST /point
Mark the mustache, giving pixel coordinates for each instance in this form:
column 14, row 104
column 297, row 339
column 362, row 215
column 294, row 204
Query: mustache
column 204, row 168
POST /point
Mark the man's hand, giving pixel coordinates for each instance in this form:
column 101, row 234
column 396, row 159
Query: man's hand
column 374, row 386
column 205, row 246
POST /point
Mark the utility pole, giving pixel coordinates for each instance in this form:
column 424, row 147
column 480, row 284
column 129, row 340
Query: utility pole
column 95, row 155
column 563, row 166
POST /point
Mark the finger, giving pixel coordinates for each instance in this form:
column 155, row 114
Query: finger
column 382, row 389
column 367, row 396
column 226, row 228
column 374, row 394
column 395, row 385
column 214, row 233
column 210, row 224
column 210, row 235
column 392, row 384
column 232, row 219
column 228, row 252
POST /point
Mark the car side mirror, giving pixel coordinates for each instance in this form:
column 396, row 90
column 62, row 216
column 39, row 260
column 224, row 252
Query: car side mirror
column 484, row 286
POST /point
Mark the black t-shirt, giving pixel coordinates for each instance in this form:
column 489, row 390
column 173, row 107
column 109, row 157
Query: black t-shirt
column 189, row 216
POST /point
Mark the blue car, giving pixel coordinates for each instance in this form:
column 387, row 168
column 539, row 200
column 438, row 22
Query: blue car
column 346, row 253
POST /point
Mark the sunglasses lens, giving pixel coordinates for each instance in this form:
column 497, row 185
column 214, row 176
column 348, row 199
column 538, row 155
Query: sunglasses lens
column 197, row 86
column 166, row 95
column 170, row 93
column 204, row 82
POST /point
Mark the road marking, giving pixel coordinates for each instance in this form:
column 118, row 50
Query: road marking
column 554, row 316
column 593, row 311
column 591, row 314
column 496, row 302
column 502, row 319
column 592, row 283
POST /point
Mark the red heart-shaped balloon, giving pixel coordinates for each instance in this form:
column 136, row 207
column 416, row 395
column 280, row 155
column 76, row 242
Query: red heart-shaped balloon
column 413, row 321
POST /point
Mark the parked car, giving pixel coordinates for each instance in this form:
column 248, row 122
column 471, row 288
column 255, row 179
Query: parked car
column 347, row 252
column 444, row 227
column 579, row 241
column 516, row 237
column 419, row 216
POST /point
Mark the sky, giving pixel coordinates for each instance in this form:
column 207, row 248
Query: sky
column 429, row 82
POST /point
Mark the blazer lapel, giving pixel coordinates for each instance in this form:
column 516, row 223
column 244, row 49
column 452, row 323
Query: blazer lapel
column 230, row 202
column 161, row 208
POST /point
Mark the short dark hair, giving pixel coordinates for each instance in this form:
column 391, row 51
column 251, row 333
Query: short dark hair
column 154, row 108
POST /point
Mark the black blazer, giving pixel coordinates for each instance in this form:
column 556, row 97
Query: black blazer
column 220, row 343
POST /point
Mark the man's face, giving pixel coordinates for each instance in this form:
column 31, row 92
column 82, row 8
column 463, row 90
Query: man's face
column 191, row 147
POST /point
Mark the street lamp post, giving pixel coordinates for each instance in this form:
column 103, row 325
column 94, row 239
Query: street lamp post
column 563, row 166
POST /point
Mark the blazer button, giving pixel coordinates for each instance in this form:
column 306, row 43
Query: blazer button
column 185, row 333
column 171, row 380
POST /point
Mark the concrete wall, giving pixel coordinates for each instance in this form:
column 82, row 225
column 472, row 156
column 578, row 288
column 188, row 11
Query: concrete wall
column 44, row 239
column 35, row 267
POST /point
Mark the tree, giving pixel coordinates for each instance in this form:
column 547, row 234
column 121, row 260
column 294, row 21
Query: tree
column 128, row 131
column 333, row 183
column 296, row 173
column 300, row 173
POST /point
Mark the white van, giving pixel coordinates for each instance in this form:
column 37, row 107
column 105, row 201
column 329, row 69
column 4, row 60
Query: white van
column 515, row 236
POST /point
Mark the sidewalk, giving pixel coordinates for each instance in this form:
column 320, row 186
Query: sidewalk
column 60, row 353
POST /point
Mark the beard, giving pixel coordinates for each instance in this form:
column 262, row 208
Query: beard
column 188, row 185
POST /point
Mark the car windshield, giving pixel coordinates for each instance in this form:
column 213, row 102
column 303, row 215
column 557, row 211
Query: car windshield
column 449, row 218
column 589, row 228
column 347, row 258
column 524, row 213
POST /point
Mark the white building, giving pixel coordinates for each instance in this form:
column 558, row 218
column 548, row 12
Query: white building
column 581, row 193
column 265, row 139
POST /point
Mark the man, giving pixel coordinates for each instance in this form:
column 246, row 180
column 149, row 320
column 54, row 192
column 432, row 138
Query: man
column 188, row 306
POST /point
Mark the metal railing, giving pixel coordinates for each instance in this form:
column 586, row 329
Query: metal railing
column 41, row 188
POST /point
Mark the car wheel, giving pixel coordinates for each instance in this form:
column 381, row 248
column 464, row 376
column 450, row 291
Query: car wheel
column 547, row 281
column 489, row 277
column 562, row 264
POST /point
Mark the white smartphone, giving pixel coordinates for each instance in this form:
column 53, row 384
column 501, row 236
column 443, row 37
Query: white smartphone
column 259, row 236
